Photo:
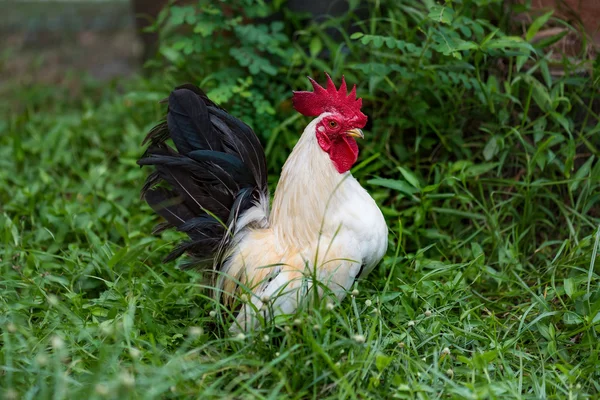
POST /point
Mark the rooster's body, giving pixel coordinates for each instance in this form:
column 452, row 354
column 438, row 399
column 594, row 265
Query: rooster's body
column 322, row 224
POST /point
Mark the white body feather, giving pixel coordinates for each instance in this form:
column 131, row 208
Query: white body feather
column 321, row 221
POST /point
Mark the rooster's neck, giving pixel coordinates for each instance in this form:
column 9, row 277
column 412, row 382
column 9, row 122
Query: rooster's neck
column 309, row 186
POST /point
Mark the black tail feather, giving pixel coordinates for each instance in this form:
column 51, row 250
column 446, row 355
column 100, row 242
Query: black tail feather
column 169, row 206
column 240, row 140
column 157, row 136
column 215, row 173
column 186, row 118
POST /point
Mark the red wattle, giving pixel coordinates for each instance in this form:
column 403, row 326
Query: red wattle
column 343, row 151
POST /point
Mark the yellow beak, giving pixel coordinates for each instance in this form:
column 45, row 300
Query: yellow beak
column 355, row 133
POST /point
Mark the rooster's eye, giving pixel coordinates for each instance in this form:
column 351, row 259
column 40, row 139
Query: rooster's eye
column 333, row 124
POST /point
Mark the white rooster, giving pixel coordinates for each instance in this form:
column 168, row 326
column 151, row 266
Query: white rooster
column 322, row 223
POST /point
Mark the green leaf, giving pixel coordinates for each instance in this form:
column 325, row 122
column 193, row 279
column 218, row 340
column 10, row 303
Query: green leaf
column 206, row 28
column 489, row 37
column 390, row 42
column 400, row 186
column 177, row 15
column 539, row 129
column 549, row 41
column 477, row 253
column 410, row 177
column 353, row 4
column 430, row 188
column 582, row 173
column 247, row 57
column 491, row 148
column 482, row 360
column 387, row 297
column 508, row 42
column 315, row 46
column 569, row 287
column 181, row 15
column 546, row 73
column 571, row 318
column 443, row 42
column 378, row 41
column 480, row 169
column 539, row 93
column 441, row 14
column 171, row 55
column 521, row 60
column 466, row 45
column 537, row 24
column 569, row 158
column 382, row 362
column 562, row 120
column 356, row 35
column 277, row 26
column 14, row 231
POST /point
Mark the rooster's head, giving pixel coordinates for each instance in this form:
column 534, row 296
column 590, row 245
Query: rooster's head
column 339, row 123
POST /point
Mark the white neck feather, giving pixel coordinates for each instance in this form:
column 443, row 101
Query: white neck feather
column 304, row 191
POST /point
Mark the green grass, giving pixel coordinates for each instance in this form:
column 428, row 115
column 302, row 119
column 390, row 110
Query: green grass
column 490, row 288
column 504, row 304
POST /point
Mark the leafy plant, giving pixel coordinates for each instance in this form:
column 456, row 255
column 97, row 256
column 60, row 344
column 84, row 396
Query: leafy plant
column 232, row 51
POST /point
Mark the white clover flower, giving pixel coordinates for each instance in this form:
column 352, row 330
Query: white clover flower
column 359, row 338
column 107, row 329
column 134, row 353
column 450, row 372
column 11, row 328
column 428, row 313
column 52, row 300
column 411, row 324
column 42, row 360
column 355, row 292
column 240, row 336
column 446, row 351
column 329, row 306
column 195, row 331
column 57, row 342
column 265, row 298
column 101, row 389
column 368, row 303
column 212, row 314
column 127, row 379
column 11, row 394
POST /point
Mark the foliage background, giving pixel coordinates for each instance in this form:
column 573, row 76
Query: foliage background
column 484, row 161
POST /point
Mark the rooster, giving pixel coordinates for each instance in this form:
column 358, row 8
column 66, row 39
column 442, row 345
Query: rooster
column 213, row 186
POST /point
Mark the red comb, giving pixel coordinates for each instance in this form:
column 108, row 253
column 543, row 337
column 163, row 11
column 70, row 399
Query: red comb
column 331, row 99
